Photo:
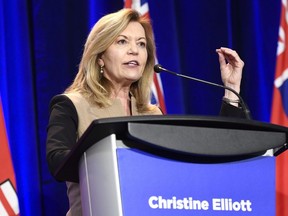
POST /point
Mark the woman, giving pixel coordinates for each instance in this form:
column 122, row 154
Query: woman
column 114, row 79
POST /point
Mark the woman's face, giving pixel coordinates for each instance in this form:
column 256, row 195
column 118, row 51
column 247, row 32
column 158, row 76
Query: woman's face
column 124, row 61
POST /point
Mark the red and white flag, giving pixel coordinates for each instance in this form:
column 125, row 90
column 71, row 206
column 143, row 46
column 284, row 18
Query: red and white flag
column 8, row 196
column 279, row 113
column 157, row 90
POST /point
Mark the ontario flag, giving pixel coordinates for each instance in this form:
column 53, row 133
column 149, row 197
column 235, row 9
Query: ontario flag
column 8, row 196
column 157, row 89
column 279, row 113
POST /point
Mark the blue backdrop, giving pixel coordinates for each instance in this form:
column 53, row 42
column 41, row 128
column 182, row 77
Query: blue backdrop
column 41, row 43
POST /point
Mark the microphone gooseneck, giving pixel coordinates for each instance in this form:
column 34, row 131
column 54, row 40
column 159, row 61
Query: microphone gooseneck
column 158, row 68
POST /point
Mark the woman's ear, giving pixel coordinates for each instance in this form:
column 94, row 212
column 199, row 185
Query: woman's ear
column 100, row 62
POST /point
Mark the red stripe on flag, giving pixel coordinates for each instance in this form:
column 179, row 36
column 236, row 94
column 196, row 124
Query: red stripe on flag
column 6, row 169
column 278, row 115
column 128, row 3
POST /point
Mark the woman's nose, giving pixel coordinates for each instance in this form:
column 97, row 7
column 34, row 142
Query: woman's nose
column 133, row 49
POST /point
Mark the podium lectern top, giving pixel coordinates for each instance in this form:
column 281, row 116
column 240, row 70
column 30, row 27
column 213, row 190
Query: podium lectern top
column 188, row 138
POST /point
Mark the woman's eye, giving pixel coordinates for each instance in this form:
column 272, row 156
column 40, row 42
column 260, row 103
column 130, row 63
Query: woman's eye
column 142, row 44
column 121, row 42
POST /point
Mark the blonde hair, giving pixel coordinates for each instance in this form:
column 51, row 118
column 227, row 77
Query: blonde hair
column 91, row 83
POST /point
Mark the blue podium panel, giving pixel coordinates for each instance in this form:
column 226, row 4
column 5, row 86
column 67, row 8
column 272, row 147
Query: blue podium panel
column 151, row 185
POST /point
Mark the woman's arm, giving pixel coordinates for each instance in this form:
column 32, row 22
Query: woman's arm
column 61, row 131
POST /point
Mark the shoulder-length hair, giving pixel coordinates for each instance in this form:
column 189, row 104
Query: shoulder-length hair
column 91, row 83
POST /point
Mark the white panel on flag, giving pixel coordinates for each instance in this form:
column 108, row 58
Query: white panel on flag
column 11, row 196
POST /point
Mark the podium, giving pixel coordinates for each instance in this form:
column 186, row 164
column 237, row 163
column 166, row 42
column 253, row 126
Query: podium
column 176, row 165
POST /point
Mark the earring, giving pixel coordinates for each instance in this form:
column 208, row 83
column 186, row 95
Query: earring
column 101, row 69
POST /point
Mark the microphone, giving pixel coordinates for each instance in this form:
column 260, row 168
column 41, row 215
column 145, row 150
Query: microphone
column 158, row 68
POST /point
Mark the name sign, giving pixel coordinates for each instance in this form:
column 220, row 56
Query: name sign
column 151, row 185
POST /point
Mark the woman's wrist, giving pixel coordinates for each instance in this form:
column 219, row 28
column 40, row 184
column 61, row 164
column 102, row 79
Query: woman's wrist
column 230, row 97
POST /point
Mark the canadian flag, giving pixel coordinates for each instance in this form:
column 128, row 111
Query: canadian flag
column 279, row 113
column 8, row 196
